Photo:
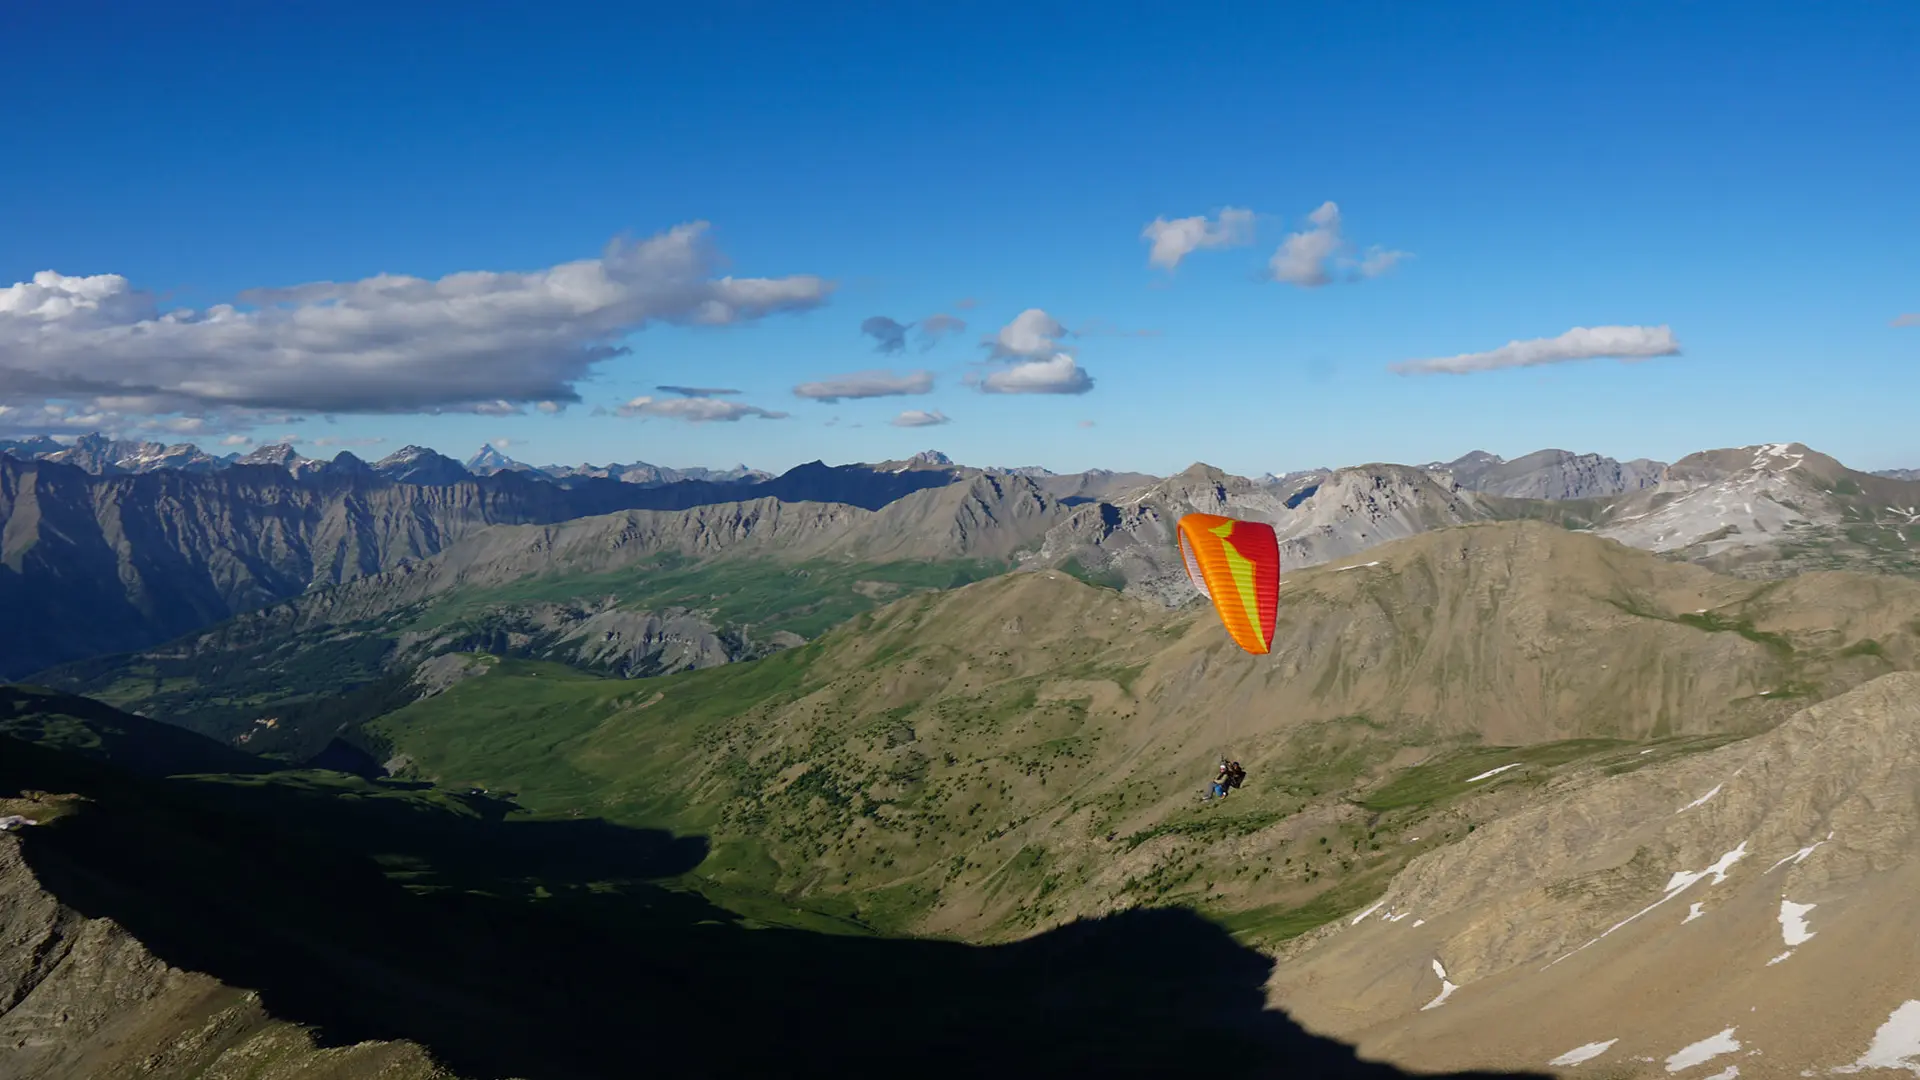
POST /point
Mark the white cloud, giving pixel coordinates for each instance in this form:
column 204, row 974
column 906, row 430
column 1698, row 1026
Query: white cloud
column 1059, row 375
column 236, row 440
column 1310, row 259
column 472, row 341
column 551, row 408
column 1175, row 240
column 44, row 418
column 178, row 425
column 1626, row 343
column 695, row 410
column 501, row 443
column 1907, row 320
column 866, row 384
column 1379, row 261
column 921, row 418
column 1033, row 334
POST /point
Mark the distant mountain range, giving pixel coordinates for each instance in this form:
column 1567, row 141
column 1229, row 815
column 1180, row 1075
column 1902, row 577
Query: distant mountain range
column 114, row 546
column 100, row 563
column 102, row 456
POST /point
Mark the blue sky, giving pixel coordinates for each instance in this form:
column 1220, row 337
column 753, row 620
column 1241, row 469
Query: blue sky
column 1741, row 175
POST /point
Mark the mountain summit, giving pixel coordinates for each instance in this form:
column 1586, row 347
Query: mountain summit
column 490, row 460
column 421, row 465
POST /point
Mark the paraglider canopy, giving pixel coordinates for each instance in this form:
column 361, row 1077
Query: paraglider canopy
column 1236, row 564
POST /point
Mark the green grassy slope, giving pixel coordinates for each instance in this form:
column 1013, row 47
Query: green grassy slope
column 326, row 678
column 362, row 913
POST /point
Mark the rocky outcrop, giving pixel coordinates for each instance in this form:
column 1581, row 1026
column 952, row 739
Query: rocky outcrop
column 1357, row 508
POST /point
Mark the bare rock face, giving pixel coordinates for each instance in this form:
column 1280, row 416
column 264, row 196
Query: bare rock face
column 989, row 516
column 642, row 642
column 1750, row 905
column 1358, row 508
column 1551, row 474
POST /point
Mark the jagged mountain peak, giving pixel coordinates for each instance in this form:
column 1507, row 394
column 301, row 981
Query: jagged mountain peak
column 490, row 459
column 421, row 465
column 281, row 454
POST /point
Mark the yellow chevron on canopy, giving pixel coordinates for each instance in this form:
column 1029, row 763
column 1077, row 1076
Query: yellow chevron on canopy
column 1236, row 564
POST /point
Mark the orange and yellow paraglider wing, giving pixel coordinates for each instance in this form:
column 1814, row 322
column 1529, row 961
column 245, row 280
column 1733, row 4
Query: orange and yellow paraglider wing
column 1236, row 564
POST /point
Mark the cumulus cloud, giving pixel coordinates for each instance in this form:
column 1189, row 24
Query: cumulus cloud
column 550, row 407
column 921, row 418
column 889, row 336
column 1626, row 343
column 936, row 328
column 177, row 425
column 1032, row 335
column 866, row 384
column 471, row 341
column 41, row 419
column 1321, row 253
column 1057, row 375
column 1175, row 240
column 236, row 440
column 695, row 391
column 695, row 410
column 1907, row 320
column 501, row 443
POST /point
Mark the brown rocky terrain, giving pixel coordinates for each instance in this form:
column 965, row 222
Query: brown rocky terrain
column 1745, row 911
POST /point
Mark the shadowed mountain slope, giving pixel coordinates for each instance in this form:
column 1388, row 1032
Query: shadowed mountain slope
column 292, row 927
